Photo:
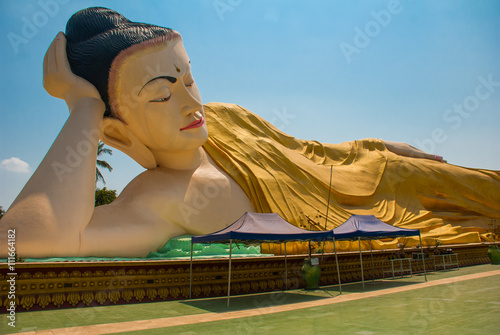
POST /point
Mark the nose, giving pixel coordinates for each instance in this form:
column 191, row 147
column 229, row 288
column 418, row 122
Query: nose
column 189, row 99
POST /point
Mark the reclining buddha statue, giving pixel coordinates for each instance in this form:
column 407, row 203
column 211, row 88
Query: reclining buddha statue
column 130, row 85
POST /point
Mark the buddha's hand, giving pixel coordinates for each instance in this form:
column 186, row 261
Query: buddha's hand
column 58, row 79
column 404, row 149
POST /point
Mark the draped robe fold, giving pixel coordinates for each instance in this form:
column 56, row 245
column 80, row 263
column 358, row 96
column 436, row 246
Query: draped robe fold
column 290, row 176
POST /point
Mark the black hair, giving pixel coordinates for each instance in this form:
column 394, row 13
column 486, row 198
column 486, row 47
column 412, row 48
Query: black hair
column 95, row 36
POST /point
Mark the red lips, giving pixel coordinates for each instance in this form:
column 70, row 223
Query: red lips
column 195, row 124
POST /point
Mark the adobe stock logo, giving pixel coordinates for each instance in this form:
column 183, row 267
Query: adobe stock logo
column 31, row 26
column 372, row 29
column 455, row 115
column 222, row 7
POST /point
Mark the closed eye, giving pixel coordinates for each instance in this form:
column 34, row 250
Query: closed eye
column 190, row 84
column 161, row 100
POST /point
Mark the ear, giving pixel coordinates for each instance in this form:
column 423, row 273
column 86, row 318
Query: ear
column 117, row 135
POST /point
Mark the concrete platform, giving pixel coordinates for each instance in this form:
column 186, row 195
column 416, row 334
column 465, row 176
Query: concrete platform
column 466, row 301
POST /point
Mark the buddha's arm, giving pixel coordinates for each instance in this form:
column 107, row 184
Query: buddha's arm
column 58, row 201
column 404, row 149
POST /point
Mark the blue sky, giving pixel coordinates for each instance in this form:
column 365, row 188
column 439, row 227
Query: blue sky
column 421, row 72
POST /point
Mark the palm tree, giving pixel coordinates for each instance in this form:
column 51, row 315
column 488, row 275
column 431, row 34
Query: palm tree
column 101, row 150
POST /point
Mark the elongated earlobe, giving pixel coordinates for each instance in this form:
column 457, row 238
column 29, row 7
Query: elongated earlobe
column 117, row 135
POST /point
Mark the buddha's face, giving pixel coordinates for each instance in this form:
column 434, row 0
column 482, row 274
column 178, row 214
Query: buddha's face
column 159, row 101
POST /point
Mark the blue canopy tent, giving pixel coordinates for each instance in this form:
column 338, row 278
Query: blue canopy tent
column 259, row 228
column 368, row 227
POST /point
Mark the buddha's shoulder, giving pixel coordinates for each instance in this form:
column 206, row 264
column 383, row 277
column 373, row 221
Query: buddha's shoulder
column 153, row 182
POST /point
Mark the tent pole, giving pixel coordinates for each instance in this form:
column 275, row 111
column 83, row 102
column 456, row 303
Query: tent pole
column 422, row 252
column 337, row 261
column 286, row 272
column 361, row 260
column 327, row 208
column 323, row 251
column 329, row 191
column 229, row 277
column 371, row 256
column 191, row 271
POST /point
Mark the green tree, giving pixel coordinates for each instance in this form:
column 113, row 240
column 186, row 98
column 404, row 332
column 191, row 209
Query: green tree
column 2, row 212
column 104, row 196
column 101, row 150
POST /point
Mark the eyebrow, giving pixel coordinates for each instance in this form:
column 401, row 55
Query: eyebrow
column 170, row 79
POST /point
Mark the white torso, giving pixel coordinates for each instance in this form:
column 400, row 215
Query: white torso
column 202, row 201
column 163, row 203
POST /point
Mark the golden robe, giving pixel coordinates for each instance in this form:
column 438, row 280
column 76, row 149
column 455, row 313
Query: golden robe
column 289, row 176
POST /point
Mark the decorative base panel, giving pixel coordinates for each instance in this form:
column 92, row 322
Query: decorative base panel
column 41, row 286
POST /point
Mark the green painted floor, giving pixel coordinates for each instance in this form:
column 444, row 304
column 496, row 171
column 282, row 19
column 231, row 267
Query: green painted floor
column 467, row 307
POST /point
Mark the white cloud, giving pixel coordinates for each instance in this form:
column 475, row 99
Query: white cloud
column 14, row 164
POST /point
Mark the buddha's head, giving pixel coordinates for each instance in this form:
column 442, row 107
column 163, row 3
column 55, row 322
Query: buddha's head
column 143, row 75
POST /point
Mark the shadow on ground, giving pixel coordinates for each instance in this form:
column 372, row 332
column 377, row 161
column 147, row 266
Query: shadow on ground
column 243, row 302
column 280, row 298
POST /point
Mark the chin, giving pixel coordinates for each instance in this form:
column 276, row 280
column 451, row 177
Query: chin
column 193, row 141
column 200, row 137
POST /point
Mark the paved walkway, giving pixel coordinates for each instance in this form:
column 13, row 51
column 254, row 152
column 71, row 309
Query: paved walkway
column 112, row 328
